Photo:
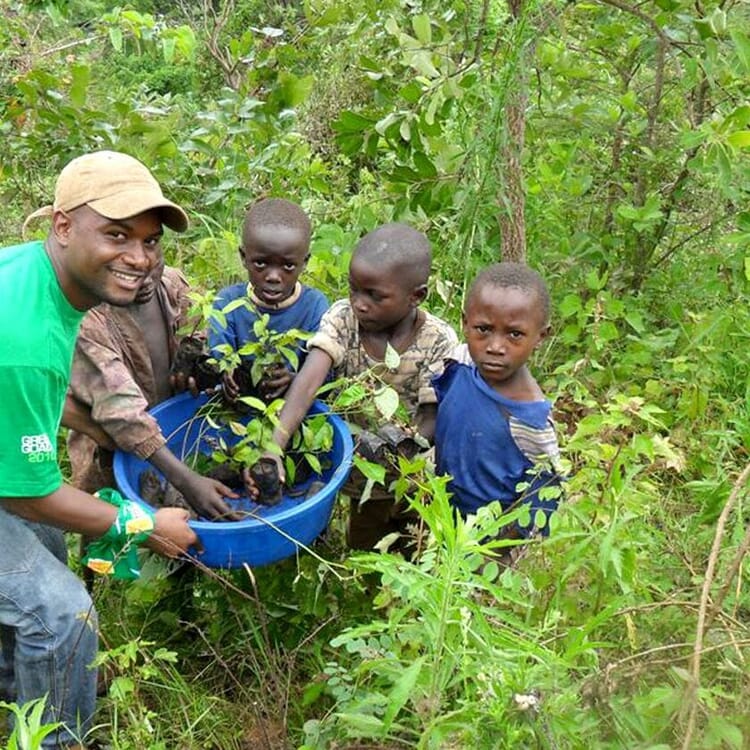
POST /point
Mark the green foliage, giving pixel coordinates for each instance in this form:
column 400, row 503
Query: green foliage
column 29, row 730
column 267, row 349
column 635, row 172
column 456, row 656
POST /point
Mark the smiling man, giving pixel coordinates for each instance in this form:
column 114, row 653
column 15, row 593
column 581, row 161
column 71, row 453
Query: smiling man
column 104, row 242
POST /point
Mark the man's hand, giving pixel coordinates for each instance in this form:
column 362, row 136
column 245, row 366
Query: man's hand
column 206, row 497
column 172, row 536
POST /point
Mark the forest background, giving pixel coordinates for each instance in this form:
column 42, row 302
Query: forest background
column 605, row 142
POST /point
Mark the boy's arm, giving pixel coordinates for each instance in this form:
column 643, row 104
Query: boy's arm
column 541, row 448
column 425, row 421
column 203, row 494
column 101, row 380
column 301, row 394
column 77, row 416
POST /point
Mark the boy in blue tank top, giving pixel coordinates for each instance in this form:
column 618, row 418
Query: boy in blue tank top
column 494, row 431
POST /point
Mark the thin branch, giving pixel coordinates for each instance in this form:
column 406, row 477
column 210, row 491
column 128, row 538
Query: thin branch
column 695, row 670
column 643, row 17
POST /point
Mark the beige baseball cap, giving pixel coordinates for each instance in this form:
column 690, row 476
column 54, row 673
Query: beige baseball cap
column 114, row 185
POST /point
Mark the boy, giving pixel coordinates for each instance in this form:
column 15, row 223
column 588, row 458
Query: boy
column 121, row 368
column 494, row 428
column 275, row 249
column 388, row 277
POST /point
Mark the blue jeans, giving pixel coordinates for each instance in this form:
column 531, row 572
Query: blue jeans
column 48, row 629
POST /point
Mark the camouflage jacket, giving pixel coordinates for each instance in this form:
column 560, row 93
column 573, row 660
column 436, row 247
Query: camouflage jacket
column 112, row 375
column 433, row 341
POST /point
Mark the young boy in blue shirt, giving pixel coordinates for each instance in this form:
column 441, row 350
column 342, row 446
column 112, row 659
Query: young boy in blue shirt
column 275, row 249
column 494, row 429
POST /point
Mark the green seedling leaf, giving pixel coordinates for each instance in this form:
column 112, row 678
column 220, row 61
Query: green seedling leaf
column 386, row 401
column 237, row 428
column 372, row 471
column 742, row 47
column 253, row 403
column 739, row 139
column 392, row 358
column 314, row 462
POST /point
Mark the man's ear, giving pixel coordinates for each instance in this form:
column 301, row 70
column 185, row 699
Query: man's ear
column 241, row 251
column 62, row 225
column 418, row 295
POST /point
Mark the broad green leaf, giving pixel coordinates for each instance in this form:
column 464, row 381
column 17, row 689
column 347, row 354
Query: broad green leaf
column 411, row 92
column 570, row 305
column 422, row 62
column 390, row 119
column 233, row 305
column 168, row 47
column 401, row 691
column 392, row 358
column 739, row 139
column 115, row 36
column 607, row 331
column 423, row 165
column 405, row 130
column 237, row 428
column 636, row 320
column 81, row 75
column 253, row 403
column 386, row 401
column 742, row 47
column 370, row 470
column 422, row 29
column 295, row 89
column 391, row 26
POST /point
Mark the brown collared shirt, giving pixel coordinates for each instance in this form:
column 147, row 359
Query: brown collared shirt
column 112, row 374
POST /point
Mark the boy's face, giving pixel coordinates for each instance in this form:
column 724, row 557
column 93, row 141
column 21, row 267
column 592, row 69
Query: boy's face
column 502, row 327
column 274, row 257
column 380, row 296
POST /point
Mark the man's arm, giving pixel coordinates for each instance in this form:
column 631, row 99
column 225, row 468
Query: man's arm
column 73, row 510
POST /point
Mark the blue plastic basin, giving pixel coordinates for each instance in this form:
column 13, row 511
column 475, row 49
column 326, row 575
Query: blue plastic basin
column 274, row 533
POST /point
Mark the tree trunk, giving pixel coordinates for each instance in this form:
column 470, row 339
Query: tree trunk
column 513, row 198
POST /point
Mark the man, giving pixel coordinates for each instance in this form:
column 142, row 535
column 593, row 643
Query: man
column 121, row 368
column 104, row 242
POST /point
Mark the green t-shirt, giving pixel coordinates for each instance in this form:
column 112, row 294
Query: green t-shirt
column 38, row 329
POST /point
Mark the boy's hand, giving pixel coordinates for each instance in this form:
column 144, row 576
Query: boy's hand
column 180, row 382
column 275, row 382
column 206, row 497
column 172, row 536
column 229, row 388
column 252, row 489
